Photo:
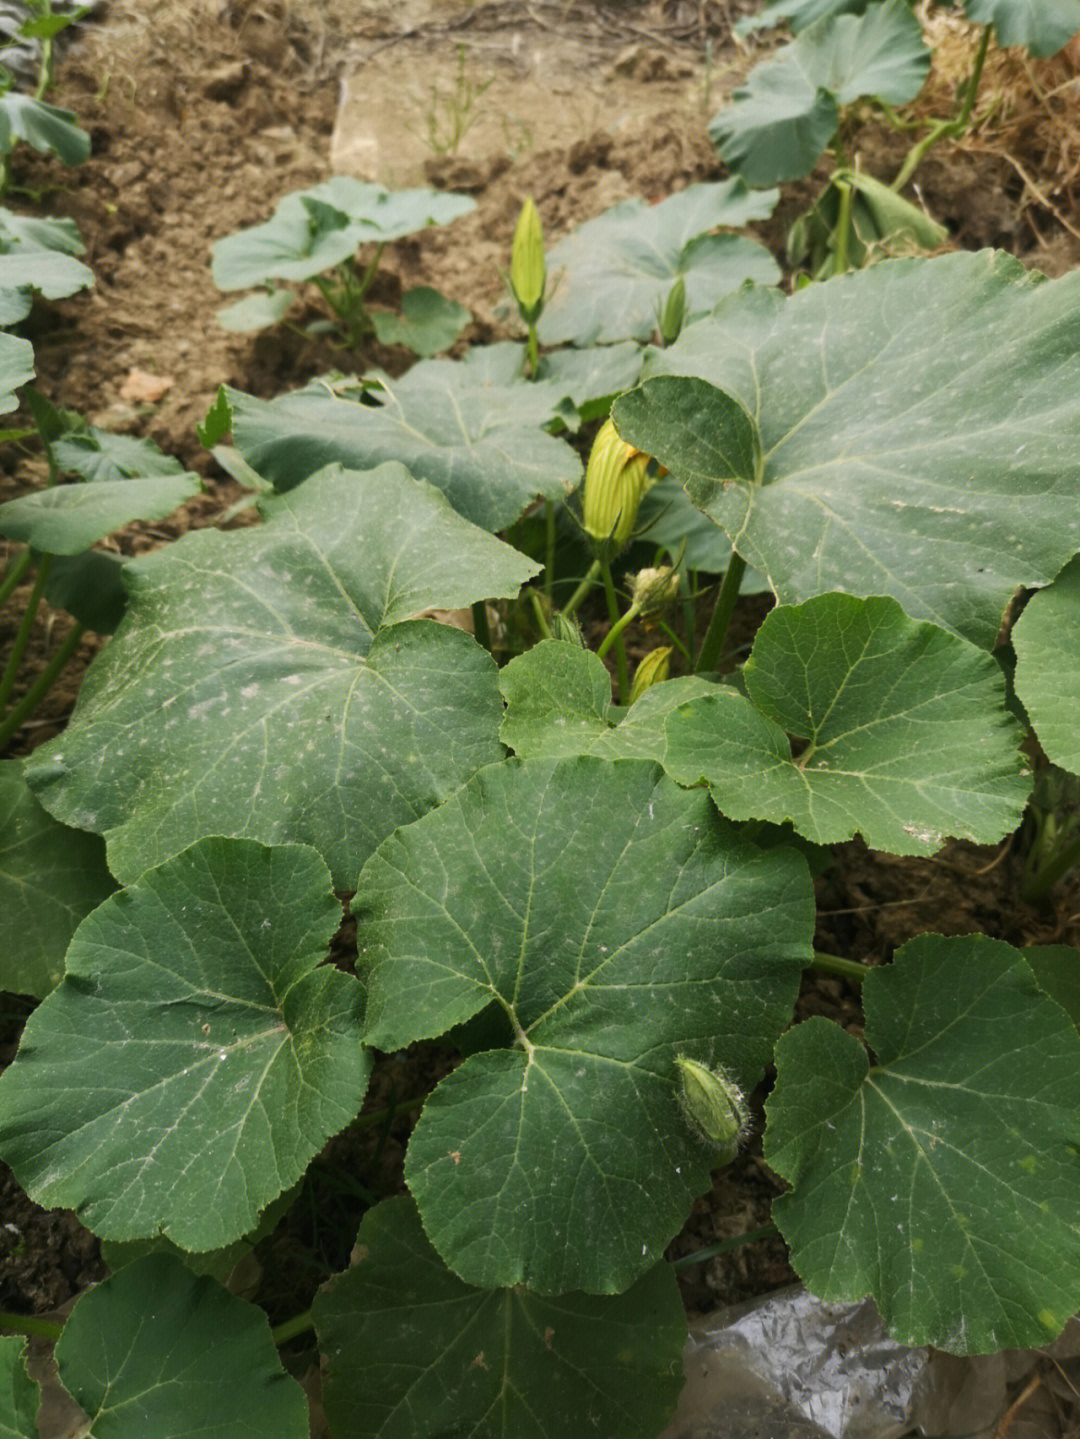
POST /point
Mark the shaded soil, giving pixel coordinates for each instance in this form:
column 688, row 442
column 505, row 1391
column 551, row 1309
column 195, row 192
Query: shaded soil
column 200, row 121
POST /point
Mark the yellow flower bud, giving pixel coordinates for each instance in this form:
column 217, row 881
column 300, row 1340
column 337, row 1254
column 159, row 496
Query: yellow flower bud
column 714, row 1104
column 653, row 670
column 615, row 481
column 528, row 270
column 653, row 590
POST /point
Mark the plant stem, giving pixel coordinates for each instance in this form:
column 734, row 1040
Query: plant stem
column 972, row 87
column 534, row 352
column 18, row 714
column 841, row 968
column 620, row 649
column 22, row 638
column 299, row 1324
column 549, row 550
column 1044, row 879
column 14, row 573
column 574, row 602
column 954, row 127
column 843, row 226
column 32, row 1327
column 715, row 635
column 541, row 617
column 612, row 636
column 699, row 1256
column 377, row 1116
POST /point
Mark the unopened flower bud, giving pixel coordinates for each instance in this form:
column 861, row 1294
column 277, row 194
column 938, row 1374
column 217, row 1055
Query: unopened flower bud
column 615, row 481
column 564, row 628
column 653, row 670
column 653, row 590
column 528, row 270
column 673, row 312
column 714, row 1104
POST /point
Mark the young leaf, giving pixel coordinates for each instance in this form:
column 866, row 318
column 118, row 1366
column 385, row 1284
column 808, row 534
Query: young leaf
column 333, row 722
column 256, row 312
column 428, row 323
column 95, row 454
column 43, row 127
column 618, row 922
column 610, row 276
column 51, row 273
column 19, row 1395
column 902, row 410
column 414, row 1353
column 1046, row 638
column 215, row 1056
column 785, row 114
column 156, row 1350
column 943, row 1181
column 51, row 877
column 558, row 704
column 907, row 737
column 67, row 519
column 1044, row 26
column 469, row 427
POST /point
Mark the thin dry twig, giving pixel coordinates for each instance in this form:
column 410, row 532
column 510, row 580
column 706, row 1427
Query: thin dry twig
column 1014, row 1408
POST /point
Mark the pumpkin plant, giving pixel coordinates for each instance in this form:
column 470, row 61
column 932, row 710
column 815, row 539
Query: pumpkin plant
column 604, row 907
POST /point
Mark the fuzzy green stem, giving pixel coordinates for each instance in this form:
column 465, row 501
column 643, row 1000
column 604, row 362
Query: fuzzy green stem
column 843, row 226
column 621, row 667
column 699, row 1256
column 299, row 1324
column 713, row 643
column 842, row 968
column 549, row 547
column 31, row 1326
column 574, row 602
column 612, row 636
column 13, row 574
column 541, row 618
column 534, row 352
column 1039, row 885
column 914, row 156
column 20, row 713
column 22, row 638
column 971, row 88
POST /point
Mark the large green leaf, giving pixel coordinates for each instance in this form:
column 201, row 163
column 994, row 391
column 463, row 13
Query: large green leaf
column 43, row 127
column 16, row 368
column 413, row 1353
column 19, row 1395
column 611, row 276
column 39, row 232
column 157, row 1351
column 51, row 877
column 797, row 14
column 261, row 683
column 89, row 586
column 216, row 1054
column 313, row 230
column 558, row 704
column 617, row 922
column 1043, row 26
column 1046, row 638
column 66, row 519
column 917, row 424
column 469, row 427
column 428, row 323
column 784, row 115
column 944, row 1179
column 904, row 732
column 49, row 272
column 668, row 518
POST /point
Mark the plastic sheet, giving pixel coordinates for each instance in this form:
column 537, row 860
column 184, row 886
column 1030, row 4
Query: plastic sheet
column 790, row 1367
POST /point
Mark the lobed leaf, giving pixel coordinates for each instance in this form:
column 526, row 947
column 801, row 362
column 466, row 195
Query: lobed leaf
column 916, row 423
column 67, row 519
column 414, row 1353
column 214, row 1056
column 429, row 322
column 263, row 683
column 943, row 1179
column 51, row 877
column 905, row 735
column 1044, row 26
column 617, row 922
column 156, row 1350
column 611, row 276
column 786, row 112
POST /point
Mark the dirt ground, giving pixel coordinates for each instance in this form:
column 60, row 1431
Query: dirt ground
column 203, row 113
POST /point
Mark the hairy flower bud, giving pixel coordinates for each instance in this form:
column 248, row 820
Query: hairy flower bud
column 564, row 628
column 615, row 481
column 714, row 1104
column 653, row 590
column 528, row 270
column 653, row 670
